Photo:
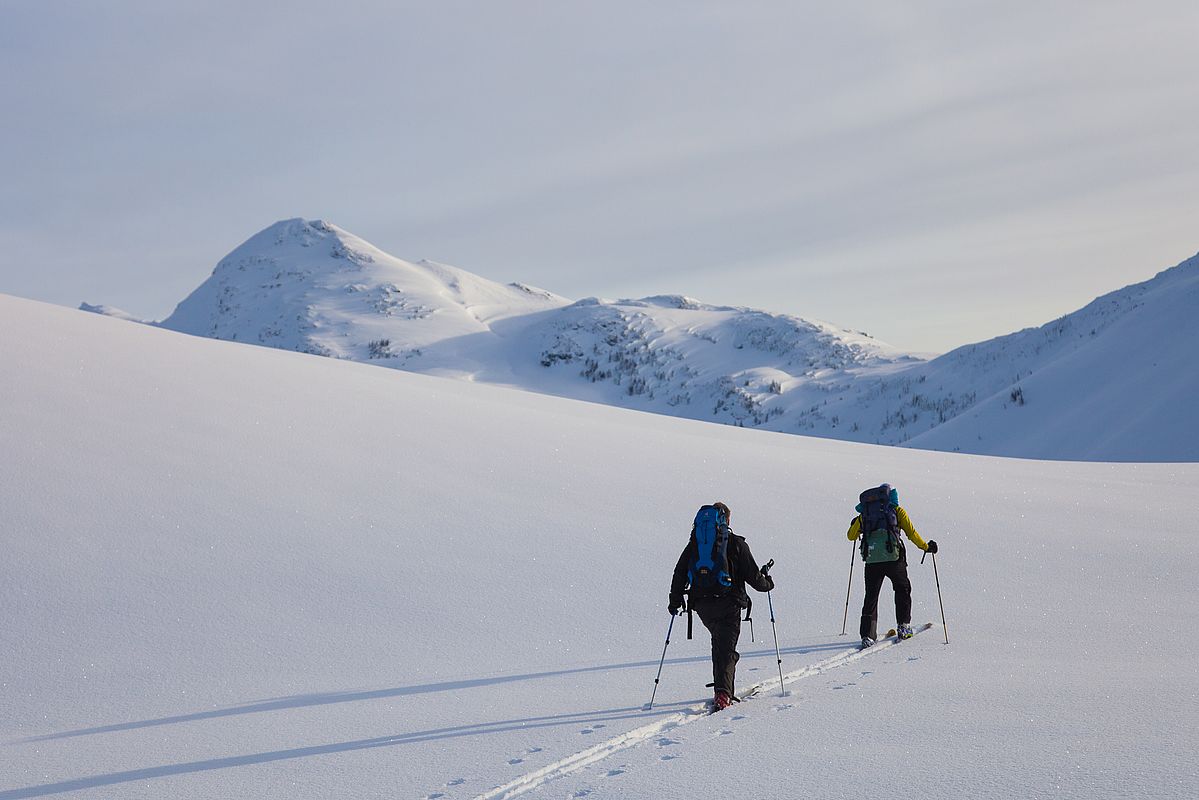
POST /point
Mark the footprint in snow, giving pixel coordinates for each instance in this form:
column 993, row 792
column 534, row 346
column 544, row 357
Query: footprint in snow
column 591, row 729
column 582, row 793
column 530, row 751
column 785, row 707
column 434, row 796
column 612, row 773
column 666, row 741
column 725, row 732
column 456, row 782
column 734, row 719
column 669, row 757
column 913, row 658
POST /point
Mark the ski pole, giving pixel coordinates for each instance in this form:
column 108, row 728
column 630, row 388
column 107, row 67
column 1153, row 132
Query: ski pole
column 663, row 661
column 849, row 588
column 939, row 601
column 749, row 607
column 778, row 657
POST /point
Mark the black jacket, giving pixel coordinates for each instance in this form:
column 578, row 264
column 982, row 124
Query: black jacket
column 742, row 569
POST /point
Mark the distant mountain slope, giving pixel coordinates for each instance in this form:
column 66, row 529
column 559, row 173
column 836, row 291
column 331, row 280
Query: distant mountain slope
column 1110, row 382
column 1114, row 381
column 677, row 356
column 1081, row 387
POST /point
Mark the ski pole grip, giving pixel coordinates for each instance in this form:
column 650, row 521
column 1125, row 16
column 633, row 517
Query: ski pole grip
column 766, row 567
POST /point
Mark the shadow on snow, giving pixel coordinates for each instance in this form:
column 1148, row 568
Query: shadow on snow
column 416, row 737
column 330, row 698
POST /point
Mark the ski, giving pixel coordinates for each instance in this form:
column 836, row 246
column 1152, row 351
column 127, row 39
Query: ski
column 892, row 633
column 750, row 692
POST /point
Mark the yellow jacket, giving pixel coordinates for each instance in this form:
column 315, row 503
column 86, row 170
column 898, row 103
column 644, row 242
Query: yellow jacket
column 905, row 525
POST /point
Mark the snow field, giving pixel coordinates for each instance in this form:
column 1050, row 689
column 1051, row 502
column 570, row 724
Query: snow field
column 235, row 571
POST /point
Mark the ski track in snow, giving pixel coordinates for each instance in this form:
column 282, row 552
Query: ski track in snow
column 624, row 741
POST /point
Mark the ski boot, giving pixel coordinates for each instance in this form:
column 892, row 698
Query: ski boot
column 905, row 631
column 721, row 701
column 867, row 642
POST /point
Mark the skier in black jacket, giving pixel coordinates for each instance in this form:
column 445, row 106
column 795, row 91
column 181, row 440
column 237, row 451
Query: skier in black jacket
column 721, row 613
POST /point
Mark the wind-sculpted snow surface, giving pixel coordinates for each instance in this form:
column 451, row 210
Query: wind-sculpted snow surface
column 1076, row 388
column 242, row 572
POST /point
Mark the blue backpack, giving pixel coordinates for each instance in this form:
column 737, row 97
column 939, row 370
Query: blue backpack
column 878, row 526
column 709, row 571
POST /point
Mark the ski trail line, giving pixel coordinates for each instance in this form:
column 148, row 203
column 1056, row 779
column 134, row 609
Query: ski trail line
column 624, row 741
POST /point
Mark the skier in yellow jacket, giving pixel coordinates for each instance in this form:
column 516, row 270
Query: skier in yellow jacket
column 878, row 525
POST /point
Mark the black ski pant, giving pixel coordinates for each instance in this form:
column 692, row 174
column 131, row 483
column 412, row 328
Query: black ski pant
column 722, row 618
column 897, row 571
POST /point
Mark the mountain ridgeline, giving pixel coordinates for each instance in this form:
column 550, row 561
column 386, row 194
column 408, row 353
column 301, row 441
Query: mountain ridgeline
column 1112, row 381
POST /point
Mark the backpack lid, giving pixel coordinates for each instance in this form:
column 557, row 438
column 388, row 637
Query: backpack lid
column 877, row 494
column 720, row 510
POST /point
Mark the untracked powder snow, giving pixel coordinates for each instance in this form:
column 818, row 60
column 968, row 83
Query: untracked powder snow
column 235, row 571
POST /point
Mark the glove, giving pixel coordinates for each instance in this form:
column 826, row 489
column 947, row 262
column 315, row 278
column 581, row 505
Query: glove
column 932, row 547
column 769, row 583
column 674, row 608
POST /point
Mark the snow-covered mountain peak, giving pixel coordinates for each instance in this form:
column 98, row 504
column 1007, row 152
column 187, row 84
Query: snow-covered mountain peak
column 311, row 286
column 287, row 234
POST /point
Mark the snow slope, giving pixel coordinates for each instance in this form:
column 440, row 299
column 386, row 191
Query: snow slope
column 233, row 571
column 1112, row 381
column 1115, row 380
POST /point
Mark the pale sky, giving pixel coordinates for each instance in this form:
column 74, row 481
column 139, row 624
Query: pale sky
column 932, row 173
